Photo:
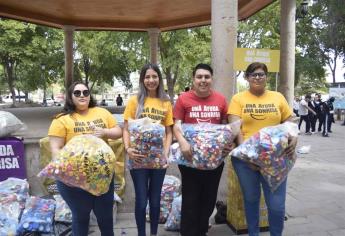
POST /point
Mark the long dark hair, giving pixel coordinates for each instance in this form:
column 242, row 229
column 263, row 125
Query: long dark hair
column 142, row 93
column 69, row 106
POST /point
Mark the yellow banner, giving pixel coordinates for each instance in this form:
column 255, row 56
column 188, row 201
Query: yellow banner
column 245, row 56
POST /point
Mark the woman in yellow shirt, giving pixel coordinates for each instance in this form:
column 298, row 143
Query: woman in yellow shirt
column 258, row 108
column 80, row 116
column 151, row 102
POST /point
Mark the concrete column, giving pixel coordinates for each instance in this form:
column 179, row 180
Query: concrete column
column 224, row 40
column 154, row 36
column 287, row 49
column 68, row 32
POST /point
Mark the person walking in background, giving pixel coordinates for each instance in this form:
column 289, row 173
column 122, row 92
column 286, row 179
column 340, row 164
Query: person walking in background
column 153, row 102
column 119, row 100
column 296, row 102
column 319, row 116
column 251, row 107
column 312, row 115
column 79, row 114
column 331, row 114
column 303, row 112
column 199, row 187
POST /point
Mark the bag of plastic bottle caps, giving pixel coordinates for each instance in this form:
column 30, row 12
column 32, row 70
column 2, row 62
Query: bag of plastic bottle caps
column 18, row 188
column 174, row 218
column 265, row 149
column 165, row 208
column 207, row 142
column 86, row 162
column 38, row 216
column 147, row 136
column 9, row 124
column 62, row 211
column 10, row 210
column 170, row 190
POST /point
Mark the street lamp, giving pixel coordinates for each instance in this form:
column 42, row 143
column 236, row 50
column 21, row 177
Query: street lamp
column 304, row 7
column 302, row 10
column 43, row 67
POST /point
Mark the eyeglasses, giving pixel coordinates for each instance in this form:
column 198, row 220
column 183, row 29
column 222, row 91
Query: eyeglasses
column 77, row 93
column 259, row 75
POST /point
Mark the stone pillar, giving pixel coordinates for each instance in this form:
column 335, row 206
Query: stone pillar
column 287, row 49
column 68, row 32
column 224, row 40
column 154, row 36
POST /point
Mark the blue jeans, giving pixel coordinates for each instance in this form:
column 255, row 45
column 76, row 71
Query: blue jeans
column 148, row 186
column 81, row 203
column 250, row 181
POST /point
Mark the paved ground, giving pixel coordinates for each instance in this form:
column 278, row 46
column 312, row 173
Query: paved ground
column 316, row 187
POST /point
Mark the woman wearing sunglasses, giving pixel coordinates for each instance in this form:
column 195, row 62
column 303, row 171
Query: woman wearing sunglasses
column 81, row 116
column 258, row 108
column 151, row 102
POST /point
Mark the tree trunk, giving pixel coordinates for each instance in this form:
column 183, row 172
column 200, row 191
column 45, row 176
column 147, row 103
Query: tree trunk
column 170, row 84
column 86, row 69
column 8, row 65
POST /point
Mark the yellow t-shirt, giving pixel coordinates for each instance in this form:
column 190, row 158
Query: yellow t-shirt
column 68, row 126
column 269, row 109
column 154, row 108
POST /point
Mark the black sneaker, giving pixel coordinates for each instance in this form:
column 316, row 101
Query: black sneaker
column 325, row 135
column 330, row 131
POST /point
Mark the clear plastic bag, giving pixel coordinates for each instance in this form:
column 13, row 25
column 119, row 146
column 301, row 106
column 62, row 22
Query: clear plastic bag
column 16, row 186
column 174, row 219
column 170, row 190
column 266, row 148
column 10, row 210
column 9, row 124
column 147, row 136
column 62, row 212
column 38, row 216
column 86, row 162
column 207, row 142
column 13, row 194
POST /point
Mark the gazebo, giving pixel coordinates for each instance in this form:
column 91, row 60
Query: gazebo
column 155, row 16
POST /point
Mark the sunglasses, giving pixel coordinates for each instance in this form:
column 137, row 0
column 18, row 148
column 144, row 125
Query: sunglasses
column 77, row 93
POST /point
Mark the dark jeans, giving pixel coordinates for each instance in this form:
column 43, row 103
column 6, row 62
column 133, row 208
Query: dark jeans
column 148, row 186
column 320, row 117
column 330, row 121
column 250, row 182
column 81, row 203
column 307, row 123
column 199, row 195
column 312, row 119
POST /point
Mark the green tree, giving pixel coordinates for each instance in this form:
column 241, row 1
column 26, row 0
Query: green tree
column 180, row 51
column 14, row 37
column 116, row 57
column 328, row 18
column 23, row 49
column 260, row 31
